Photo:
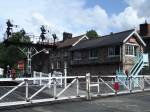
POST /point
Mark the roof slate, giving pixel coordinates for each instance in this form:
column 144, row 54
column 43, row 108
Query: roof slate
column 107, row 40
column 68, row 42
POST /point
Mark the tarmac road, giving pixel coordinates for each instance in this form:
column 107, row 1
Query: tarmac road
column 138, row 102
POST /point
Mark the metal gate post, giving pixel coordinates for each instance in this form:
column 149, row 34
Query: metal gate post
column 143, row 81
column 27, row 90
column 130, row 84
column 34, row 76
column 77, row 86
column 29, row 60
column 88, row 86
column 40, row 78
column 98, row 87
column 54, row 81
column 50, row 80
column 65, row 73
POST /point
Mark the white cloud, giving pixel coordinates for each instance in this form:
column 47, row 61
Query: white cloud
column 73, row 15
column 70, row 16
column 59, row 15
column 127, row 19
column 133, row 15
column 141, row 6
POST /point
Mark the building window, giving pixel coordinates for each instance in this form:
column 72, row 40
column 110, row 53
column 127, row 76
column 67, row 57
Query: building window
column 93, row 54
column 76, row 55
column 131, row 50
column 114, row 51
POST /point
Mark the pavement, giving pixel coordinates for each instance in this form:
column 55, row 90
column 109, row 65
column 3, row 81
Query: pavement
column 137, row 102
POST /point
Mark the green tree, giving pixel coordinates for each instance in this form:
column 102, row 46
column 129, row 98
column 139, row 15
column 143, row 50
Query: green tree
column 19, row 37
column 92, row 34
column 10, row 54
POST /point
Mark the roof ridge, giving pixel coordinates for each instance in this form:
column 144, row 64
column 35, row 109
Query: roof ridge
column 104, row 36
column 118, row 32
column 111, row 39
column 79, row 36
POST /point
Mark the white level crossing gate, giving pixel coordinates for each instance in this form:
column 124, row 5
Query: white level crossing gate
column 49, row 80
column 26, row 91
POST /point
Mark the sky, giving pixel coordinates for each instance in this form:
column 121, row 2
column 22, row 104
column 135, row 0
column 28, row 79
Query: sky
column 74, row 16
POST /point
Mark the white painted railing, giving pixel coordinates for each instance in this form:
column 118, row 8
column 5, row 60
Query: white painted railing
column 48, row 78
column 104, row 85
column 27, row 91
column 34, row 90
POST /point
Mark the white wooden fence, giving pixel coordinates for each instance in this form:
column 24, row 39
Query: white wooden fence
column 80, row 87
column 49, row 80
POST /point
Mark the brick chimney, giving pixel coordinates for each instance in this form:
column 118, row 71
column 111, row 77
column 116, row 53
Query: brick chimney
column 145, row 29
column 67, row 36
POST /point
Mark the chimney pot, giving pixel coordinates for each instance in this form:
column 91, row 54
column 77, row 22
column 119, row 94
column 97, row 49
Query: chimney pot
column 144, row 29
column 66, row 36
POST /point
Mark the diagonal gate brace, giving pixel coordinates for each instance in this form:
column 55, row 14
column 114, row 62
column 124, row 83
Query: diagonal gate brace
column 16, row 87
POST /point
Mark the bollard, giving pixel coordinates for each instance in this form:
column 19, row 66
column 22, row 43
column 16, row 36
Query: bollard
column 88, row 86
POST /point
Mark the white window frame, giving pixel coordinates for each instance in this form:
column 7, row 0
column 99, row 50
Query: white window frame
column 133, row 45
column 92, row 57
column 113, row 50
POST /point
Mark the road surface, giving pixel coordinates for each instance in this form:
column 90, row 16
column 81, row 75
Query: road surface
column 138, row 102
